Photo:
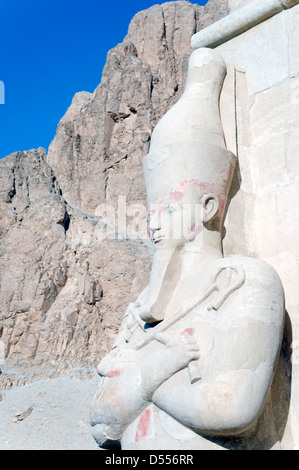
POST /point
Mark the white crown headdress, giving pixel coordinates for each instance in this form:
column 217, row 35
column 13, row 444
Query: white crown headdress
column 188, row 142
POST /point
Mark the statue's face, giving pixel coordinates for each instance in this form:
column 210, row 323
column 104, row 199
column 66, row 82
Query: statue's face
column 175, row 219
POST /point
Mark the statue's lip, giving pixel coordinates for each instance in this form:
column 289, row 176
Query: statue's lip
column 157, row 240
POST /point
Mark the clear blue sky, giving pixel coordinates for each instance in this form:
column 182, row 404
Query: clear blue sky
column 49, row 50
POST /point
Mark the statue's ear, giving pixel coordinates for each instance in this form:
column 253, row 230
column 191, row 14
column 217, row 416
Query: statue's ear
column 210, row 206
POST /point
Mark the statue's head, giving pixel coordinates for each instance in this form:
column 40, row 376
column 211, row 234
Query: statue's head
column 188, row 170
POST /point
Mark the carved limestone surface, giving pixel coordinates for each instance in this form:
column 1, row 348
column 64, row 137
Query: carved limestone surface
column 194, row 362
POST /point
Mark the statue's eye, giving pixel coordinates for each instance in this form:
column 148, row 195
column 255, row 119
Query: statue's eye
column 148, row 218
column 169, row 209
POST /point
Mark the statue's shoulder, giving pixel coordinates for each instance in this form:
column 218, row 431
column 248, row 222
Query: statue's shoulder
column 253, row 284
column 244, row 281
column 255, row 271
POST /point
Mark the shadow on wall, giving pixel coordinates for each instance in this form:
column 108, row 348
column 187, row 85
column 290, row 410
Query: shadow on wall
column 234, row 189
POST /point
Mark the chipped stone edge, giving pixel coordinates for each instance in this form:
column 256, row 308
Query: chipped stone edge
column 239, row 21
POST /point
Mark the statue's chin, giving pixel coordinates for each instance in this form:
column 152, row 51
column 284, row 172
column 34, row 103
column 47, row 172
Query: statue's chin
column 146, row 315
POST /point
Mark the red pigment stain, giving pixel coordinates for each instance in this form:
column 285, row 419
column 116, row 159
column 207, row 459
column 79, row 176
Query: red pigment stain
column 143, row 424
column 176, row 195
column 196, row 232
column 178, row 191
column 170, row 346
column 114, row 352
column 113, row 373
column 187, row 331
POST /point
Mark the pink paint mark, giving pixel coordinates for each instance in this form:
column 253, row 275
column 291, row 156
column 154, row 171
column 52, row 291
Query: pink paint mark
column 114, row 352
column 196, row 232
column 113, row 373
column 176, row 195
column 179, row 190
column 187, row 331
column 143, row 425
column 170, row 346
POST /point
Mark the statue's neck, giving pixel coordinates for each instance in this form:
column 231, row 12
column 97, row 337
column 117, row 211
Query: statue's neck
column 201, row 250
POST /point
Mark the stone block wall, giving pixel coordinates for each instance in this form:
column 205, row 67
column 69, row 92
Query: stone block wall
column 263, row 216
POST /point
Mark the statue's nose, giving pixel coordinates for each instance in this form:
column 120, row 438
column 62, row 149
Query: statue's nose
column 155, row 228
column 155, row 224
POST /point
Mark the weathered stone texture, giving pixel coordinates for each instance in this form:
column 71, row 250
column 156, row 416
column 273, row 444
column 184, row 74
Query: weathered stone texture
column 33, row 266
column 62, row 292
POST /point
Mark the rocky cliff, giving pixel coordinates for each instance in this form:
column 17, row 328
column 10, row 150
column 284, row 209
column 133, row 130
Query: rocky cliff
column 63, row 286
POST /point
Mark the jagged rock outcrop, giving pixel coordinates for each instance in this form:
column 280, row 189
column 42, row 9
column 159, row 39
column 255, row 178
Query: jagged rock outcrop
column 100, row 142
column 64, row 288
column 33, row 266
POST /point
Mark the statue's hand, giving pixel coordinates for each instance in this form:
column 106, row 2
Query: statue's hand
column 162, row 363
column 143, row 311
column 183, row 349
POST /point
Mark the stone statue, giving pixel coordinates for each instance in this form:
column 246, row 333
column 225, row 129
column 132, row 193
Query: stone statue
column 194, row 360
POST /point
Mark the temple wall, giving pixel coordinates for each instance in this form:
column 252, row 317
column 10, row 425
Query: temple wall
column 263, row 218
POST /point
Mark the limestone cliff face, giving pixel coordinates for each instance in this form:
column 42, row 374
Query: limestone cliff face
column 103, row 137
column 63, row 288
